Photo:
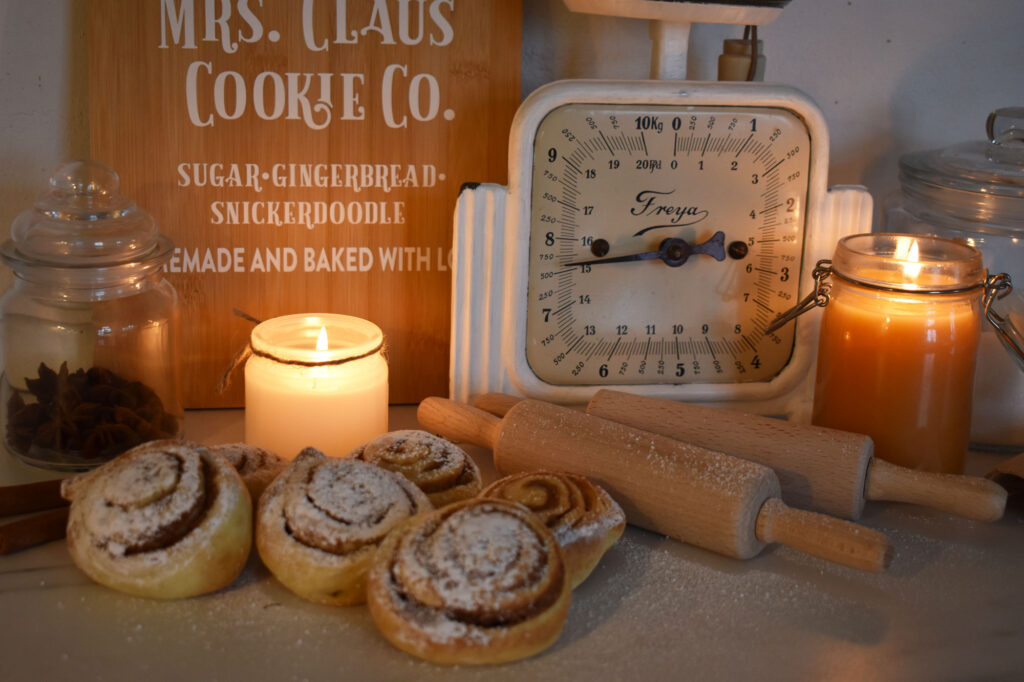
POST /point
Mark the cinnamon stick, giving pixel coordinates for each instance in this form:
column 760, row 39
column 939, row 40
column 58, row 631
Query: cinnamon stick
column 30, row 497
column 33, row 530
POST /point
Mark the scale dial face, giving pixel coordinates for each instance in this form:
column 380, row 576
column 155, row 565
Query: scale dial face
column 663, row 240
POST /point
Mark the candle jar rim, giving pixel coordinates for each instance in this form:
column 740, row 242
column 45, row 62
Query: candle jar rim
column 293, row 338
column 878, row 259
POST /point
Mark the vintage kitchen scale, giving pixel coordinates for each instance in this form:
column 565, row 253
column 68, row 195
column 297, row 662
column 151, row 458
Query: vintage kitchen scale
column 650, row 232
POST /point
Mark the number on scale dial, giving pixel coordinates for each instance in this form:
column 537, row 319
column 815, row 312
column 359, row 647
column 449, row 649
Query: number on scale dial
column 663, row 241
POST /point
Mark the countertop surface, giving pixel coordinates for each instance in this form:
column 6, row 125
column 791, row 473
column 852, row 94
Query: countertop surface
column 950, row 607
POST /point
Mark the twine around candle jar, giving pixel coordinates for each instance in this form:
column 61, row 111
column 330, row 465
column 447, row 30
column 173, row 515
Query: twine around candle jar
column 316, row 363
column 248, row 351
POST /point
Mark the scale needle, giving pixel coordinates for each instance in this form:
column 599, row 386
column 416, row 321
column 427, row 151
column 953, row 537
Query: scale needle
column 672, row 251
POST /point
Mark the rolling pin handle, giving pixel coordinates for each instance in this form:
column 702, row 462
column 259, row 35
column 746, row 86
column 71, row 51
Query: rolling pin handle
column 825, row 537
column 968, row 496
column 459, row 422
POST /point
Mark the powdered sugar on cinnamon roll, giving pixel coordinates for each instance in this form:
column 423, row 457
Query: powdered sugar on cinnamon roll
column 340, row 505
column 479, row 581
column 165, row 519
column 585, row 519
column 258, row 467
column 438, row 467
column 320, row 522
column 150, row 499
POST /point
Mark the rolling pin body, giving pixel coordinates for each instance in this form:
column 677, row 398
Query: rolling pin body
column 818, row 468
column 706, row 498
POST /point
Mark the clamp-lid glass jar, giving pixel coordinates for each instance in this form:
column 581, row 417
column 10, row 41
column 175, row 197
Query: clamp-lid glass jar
column 89, row 328
column 973, row 192
column 897, row 348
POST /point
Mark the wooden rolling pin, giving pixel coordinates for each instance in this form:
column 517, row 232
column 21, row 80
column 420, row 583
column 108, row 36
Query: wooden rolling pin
column 709, row 499
column 821, row 469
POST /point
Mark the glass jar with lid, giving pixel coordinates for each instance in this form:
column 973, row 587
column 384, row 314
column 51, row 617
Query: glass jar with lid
column 973, row 193
column 898, row 345
column 90, row 364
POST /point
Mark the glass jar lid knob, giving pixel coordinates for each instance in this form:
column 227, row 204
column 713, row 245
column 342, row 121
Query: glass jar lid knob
column 84, row 221
column 1005, row 128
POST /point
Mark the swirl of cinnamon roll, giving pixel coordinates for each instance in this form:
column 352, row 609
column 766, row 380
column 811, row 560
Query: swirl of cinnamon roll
column 479, row 581
column 166, row 519
column 258, row 467
column 438, row 467
column 320, row 522
column 584, row 518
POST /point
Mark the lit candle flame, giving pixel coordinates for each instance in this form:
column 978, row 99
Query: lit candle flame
column 907, row 251
column 321, row 342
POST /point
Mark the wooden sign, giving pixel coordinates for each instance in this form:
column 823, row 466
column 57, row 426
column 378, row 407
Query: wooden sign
column 305, row 156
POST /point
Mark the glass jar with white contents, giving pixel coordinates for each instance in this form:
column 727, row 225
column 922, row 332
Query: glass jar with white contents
column 90, row 358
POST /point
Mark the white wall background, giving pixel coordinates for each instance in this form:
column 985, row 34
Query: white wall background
column 890, row 75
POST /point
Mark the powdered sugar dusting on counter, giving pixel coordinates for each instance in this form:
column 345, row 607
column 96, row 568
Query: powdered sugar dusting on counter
column 948, row 608
column 653, row 607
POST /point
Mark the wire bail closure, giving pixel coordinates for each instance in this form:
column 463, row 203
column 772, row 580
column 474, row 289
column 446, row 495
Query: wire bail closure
column 818, row 298
column 998, row 287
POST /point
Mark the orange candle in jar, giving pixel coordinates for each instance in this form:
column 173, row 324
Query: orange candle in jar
column 897, row 347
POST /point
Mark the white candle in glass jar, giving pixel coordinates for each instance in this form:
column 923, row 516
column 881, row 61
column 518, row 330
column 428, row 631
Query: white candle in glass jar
column 315, row 381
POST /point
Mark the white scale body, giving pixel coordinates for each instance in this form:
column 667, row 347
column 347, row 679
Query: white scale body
column 559, row 288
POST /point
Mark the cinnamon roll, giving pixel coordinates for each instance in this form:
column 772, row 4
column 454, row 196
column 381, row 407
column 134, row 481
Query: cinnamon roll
column 258, row 467
column 584, row 518
column 319, row 523
column 166, row 519
column 479, row 581
column 438, row 467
